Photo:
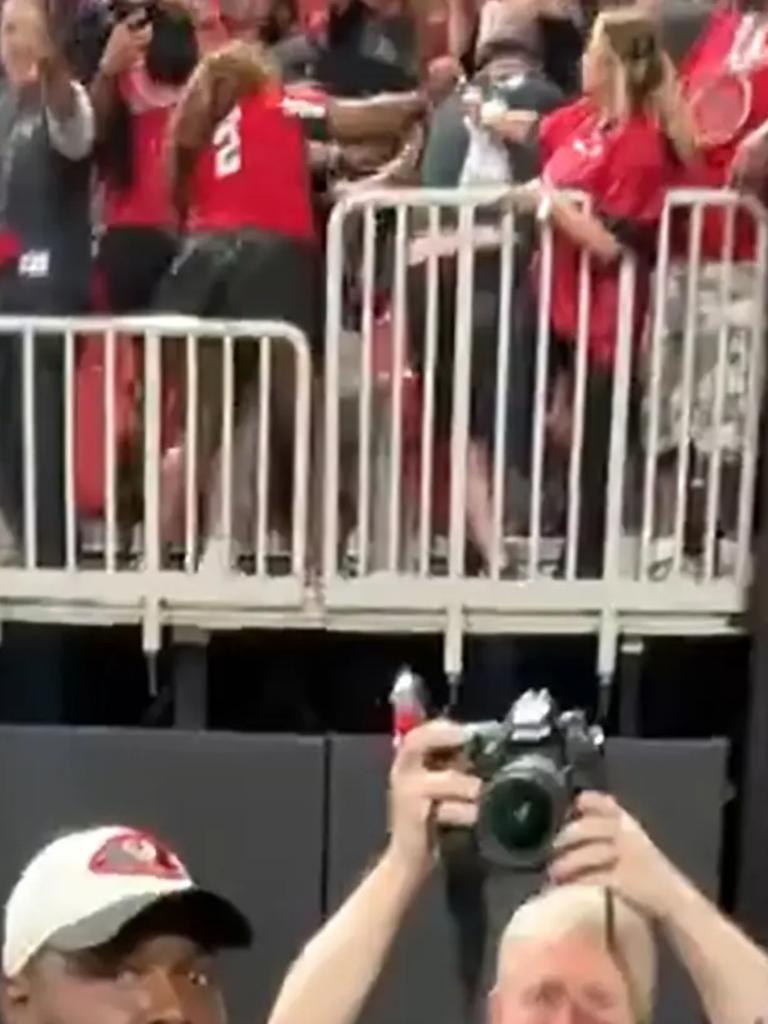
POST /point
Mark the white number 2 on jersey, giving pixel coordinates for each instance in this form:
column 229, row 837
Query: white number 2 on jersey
column 227, row 145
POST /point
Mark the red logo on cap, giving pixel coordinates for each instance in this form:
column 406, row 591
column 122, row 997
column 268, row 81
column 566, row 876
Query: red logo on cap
column 137, row 853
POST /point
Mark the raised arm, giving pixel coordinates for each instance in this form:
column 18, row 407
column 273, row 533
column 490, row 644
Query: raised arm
column 127, row 42
column 335, row 973
column 605, row 846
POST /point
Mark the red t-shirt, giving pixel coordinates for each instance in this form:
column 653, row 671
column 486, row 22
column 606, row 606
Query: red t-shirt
column 147, row 201
column 704, row 67
column 625, row 169
column 254, row 173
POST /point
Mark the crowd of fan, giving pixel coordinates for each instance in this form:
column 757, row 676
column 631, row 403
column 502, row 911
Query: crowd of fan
column 201, row 148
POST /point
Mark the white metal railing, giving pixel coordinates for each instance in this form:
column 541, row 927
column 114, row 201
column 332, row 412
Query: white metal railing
column 158, row 470
column 660, row 558
column 199, row 422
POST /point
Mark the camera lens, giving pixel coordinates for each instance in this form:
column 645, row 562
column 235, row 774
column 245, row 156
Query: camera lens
column 520, row 814
column 521, row 810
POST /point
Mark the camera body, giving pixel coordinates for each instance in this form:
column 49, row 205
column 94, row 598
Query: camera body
column 532, row 765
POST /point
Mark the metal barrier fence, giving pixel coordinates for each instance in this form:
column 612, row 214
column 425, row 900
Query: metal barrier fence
column 161, row 433
column 484, row 475
column 477, row 472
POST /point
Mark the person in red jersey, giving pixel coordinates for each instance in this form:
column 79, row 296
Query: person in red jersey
column 622, row 145
column 148, row 57
column 241, row 187
column 726, row 83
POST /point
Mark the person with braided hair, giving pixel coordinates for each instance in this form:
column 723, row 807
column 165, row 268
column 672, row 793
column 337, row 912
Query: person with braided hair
column 241, row 186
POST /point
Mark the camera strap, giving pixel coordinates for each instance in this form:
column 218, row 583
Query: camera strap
column 465, row 876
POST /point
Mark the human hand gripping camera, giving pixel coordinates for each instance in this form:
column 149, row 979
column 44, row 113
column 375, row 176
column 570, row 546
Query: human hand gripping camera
column 562, row 957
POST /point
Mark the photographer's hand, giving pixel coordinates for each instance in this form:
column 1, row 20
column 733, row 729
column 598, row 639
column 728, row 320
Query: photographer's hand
column 421, row 796
column 603, row 845
column 333, row 976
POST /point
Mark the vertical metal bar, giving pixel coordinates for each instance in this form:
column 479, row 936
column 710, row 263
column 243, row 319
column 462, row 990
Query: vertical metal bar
column 227, row 432
column 689, row 354
column 715, row 461
column 333, row 324
column 365, row 407
column 754, row 397
column 152, row 417
column 301, row 460
column 110, row 474
column 579, row 413
column 398, row 368
column 191, row 488
column 540, row 398
column 428, row 390
column 70, row 520
column 262, row 490
column 506, row 282
column 654, row 392
column 29, row 447
column 617, row 450
column 462, row 367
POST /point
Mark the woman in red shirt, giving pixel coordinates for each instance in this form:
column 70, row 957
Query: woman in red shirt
column 241, row 188
column 622, row 146
column 149, row 55
column 725, row 79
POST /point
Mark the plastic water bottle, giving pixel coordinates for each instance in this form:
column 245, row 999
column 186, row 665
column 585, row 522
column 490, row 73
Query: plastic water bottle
column 409, row 704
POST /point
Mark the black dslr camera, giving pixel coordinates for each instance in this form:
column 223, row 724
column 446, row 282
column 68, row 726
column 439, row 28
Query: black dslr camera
column 532, row 765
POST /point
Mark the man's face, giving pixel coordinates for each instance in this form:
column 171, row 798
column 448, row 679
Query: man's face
column 568, row 981
column 160, row 980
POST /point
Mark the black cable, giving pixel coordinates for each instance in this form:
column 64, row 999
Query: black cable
column 465, row 877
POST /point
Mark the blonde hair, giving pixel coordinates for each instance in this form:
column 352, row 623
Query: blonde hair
column 585, row 910
column 642, row 76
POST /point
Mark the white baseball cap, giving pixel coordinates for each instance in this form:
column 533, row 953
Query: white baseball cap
column 80, row 890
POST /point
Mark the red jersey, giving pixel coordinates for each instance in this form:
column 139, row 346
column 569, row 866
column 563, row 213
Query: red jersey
column 147, row 201
column 732, row 52
column 254, row 173
column 625, row 170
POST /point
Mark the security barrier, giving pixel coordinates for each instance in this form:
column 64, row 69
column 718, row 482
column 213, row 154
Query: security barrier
column 176, row 436
column 600, row 494
column 471, row 469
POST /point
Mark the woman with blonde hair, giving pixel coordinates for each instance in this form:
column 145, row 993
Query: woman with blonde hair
column 622, row 146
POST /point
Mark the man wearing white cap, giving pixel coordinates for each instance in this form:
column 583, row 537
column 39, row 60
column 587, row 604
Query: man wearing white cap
column 107, row 926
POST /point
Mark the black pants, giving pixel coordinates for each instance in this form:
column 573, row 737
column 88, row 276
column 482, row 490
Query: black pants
column 593, row 483
column 245, row 274
column 32, row 666
column 134, row 260
column 35, row 297
column 253, row 275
